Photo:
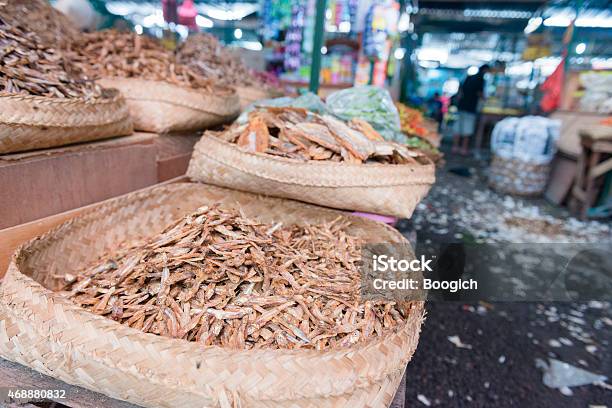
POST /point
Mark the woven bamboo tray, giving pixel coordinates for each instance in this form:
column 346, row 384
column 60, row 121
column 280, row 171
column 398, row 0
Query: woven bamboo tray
column 161, row 107
column 250, row 94
column 376, row 188
column 516, row 177
column 37, row 122
column 46, row 332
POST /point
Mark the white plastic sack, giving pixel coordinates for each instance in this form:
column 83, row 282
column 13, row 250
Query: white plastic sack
column 531, row 139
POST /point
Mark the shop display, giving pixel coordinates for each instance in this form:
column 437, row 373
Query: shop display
column 597, row 92
column 162, row 94
column 420, row 132
column 218, row 278
column 45, row 101
column 154, row 370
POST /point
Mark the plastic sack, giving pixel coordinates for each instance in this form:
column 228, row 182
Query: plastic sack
column 530, row 139
column 307, row 101
column 370, row 103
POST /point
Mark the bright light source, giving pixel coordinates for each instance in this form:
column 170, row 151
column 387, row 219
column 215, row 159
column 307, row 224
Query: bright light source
column 404, row 22
column 533, row 24
column 580, row 48
column 399, row 53
column 473, row 70
column 433, row 54
column 344, row 27
column 204, row 22
column 138, row 29
column 238, row 33
column 250, row 45
column 152, row 20
column 323, row 50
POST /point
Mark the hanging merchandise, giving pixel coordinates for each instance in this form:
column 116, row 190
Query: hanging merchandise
column 293, row 40
column 169, row 11
column 187, row 14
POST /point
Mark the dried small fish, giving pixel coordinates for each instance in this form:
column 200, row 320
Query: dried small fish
column 219, row 278
column 30, row 67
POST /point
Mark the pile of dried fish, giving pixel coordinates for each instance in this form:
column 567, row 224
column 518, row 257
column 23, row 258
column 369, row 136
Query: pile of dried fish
column 28, row 67
column 111, row 53
column 299, row 134
column 219, row 278
column 52, row 26
column 204, row 54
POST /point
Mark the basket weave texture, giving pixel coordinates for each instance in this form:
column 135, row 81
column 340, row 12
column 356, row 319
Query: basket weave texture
column 46, row 332
column 37, row 122
column 250, row 94
column 513, row 176
column 161, row 107
column 377, row 188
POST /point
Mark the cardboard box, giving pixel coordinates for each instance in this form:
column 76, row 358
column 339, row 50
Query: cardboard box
column 173, row 154
column 37, row 184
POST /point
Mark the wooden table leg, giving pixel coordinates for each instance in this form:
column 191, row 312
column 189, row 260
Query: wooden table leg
column 589, row 190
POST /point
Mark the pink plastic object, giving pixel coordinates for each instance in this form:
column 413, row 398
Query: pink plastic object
column 187, row 13
column 377, row 217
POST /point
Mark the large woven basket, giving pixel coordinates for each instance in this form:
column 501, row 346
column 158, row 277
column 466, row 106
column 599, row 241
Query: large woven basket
column 46, row 332
column 37, row 122
column 376, row 188
column 250, row 94
column 161, row 107
column 516, row 177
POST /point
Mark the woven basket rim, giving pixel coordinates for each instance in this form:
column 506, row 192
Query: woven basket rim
column 228, row 91
column 55, row 233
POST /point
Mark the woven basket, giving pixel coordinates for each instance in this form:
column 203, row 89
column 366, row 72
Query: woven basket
column 37, row 122
column 250, row 94
column 161, row 107
column 376, row 188
column 53, row 336
column 516, row 177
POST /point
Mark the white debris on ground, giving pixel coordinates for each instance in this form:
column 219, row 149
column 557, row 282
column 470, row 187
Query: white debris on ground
column 457, row 342
column 424, row 400
column 491, row 217
column 561, row 375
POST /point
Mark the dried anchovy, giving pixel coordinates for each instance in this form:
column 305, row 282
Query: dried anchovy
column 204, row 54
column 299, row 134
column 38, row 16
column 218, row 278
column 29, row 67
column 110, row 53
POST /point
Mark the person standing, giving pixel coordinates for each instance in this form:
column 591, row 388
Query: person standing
column 470, row 93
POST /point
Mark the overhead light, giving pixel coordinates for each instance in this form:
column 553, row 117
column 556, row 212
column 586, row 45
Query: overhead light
column 138, row 29
column 399, row 53
column 433, row 54
column 250, row 45
column 580, row 48
column 429, row 64
column 533, row 24
column 404, row 23
column 565, row 19
column 344, row 27
column 204, row 22
column 473, row 70
column 238, row 33
column 323, row 50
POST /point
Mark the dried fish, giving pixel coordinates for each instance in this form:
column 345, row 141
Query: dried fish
column 238, row 283
column 30, row 67
column 111, row 53
column 298, row 134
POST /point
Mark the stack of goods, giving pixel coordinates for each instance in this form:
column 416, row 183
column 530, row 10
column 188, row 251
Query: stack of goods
column 421, row 131
column 163, row 95
column 205, row 55
column 295, row 153
column 219, row 278
column 237, row 287
column 46, row 101
column 38, row 16
column 523, row 149
column 597, row 95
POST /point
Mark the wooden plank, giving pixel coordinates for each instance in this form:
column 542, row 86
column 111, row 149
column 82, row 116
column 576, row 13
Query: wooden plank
column 13, row 375
column 11, row 238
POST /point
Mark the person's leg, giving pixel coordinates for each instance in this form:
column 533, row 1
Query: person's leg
column 456, row 140
column 465, row 147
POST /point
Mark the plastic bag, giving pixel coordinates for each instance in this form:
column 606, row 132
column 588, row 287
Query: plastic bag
column 307, row 100
column 530, row 139
column 370, row 103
